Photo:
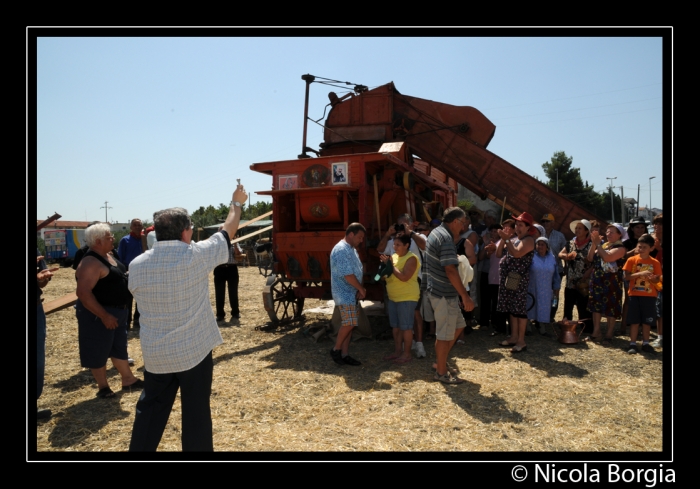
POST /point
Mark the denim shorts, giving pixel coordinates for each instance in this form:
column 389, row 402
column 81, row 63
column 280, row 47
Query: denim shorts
column 95, row 342
column 401, row 314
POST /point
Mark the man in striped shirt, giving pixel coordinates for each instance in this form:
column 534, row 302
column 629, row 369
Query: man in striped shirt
column 445, row 288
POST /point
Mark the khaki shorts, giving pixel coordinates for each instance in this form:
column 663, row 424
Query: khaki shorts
column 448, row 317
column 426, row 309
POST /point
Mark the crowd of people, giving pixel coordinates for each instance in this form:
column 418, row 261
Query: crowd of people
column 439, row 274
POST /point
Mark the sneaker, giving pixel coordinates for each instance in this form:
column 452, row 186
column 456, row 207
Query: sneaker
column 631, row 349
column 43, row 413
column 348, row 360
column 337, row 356
column 219, row 318
column 647, row 348
column 131, row 361
column 420, row 351
column 658, row 343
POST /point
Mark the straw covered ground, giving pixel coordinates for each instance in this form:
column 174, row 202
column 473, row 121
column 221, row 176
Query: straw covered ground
column 280, row 391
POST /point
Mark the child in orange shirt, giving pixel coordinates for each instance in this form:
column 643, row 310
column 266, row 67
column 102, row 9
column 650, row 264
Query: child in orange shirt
column 643, row 272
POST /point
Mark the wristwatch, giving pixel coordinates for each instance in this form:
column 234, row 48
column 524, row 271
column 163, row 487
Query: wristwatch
column 237, row 204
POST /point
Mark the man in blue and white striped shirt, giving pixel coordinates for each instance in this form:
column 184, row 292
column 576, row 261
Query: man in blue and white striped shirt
column 444, row 288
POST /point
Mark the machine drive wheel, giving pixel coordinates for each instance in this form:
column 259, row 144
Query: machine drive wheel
column 279, row 300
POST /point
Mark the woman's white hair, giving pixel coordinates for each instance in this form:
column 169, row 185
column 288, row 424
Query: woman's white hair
column 95, row 232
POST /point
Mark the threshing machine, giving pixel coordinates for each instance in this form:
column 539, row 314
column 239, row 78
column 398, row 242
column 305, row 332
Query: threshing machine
column 383, row 154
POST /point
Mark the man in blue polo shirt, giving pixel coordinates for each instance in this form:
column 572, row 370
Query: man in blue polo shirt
column 130, row 246
column 347, row 289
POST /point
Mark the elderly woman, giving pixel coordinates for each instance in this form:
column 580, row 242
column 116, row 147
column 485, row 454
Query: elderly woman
column 545, row 283
column 605, row 296
column 515, row 277
column 575, row 254
column 102, row 309
column 403, row 292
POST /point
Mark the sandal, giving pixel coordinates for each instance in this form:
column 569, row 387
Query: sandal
column 594, row 339
column 447, row 378
column 505, row 344
column 393, row 356
column 105, row 393
column 139, row 384
column 450, row 369
column 606, row 341
column 520, row 350
column 401, row 361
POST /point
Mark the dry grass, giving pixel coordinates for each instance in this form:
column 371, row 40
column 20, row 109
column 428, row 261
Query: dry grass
column 281, row 392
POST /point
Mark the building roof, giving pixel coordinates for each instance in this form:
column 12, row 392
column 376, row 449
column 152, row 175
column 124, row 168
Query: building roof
column 63, row 224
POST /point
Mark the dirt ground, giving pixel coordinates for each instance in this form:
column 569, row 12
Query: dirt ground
column 280, row 391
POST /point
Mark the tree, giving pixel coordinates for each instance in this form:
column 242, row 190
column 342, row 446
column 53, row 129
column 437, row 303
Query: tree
column 571, row 185
column 560, row 169
column 257, row 209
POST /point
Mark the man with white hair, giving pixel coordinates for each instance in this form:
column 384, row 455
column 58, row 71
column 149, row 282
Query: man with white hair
column 178, row 328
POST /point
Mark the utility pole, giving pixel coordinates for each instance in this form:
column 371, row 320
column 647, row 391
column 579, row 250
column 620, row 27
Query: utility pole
column 651, row 214
column 622, row 205
column 612, row 202
column 105, row 208
column 637, row 200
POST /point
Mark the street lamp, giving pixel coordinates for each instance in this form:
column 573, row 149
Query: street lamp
column 651, row 214
column 612, row 206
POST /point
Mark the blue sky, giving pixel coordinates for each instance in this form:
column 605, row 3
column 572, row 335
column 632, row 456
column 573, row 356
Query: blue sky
column 148, row 123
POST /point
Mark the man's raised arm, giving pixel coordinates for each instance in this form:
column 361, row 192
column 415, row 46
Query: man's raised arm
column 234, row 213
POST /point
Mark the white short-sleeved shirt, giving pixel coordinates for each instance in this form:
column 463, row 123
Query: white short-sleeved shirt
column 170, row 283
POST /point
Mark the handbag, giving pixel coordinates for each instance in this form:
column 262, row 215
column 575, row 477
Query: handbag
column 513, row 280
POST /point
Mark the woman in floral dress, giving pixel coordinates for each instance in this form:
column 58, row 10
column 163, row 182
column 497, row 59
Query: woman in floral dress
column 605, row 288
column 515, row 275
column 575, row 254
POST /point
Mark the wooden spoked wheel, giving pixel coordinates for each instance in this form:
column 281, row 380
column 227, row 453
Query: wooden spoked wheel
column 280, row 302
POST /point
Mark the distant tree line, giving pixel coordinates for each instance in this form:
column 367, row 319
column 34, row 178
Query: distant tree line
column 208, row 216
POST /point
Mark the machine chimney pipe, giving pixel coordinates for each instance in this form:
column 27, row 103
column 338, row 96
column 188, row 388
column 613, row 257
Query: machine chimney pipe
column 309, row 79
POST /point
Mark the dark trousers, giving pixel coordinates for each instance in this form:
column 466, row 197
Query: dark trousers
column 226, row 274
column 156, row 402
column 573, row 297
column 40, row 348
column 490, row 301
column 137, row 315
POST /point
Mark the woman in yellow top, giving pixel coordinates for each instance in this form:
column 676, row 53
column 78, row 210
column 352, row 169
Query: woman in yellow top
column 403, row 292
